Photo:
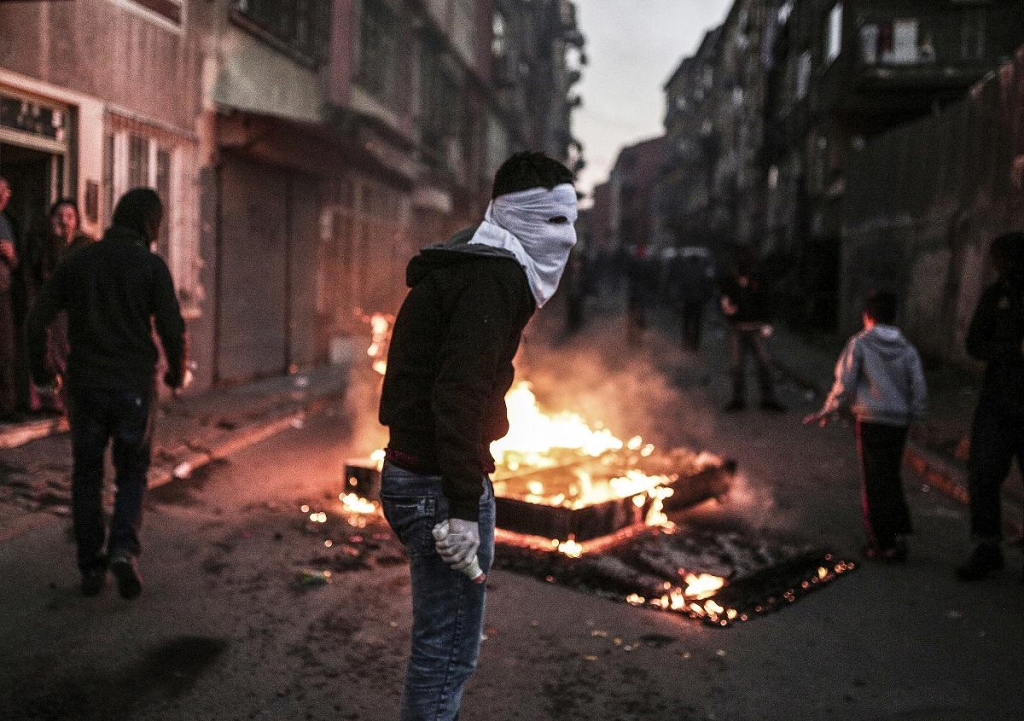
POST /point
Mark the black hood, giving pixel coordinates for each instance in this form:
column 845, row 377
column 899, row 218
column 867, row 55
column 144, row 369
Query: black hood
column 139, row 211
column 456, row 249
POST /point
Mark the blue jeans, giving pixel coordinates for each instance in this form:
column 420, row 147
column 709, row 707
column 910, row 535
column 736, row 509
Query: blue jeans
column 447, row 607
column 97, row 416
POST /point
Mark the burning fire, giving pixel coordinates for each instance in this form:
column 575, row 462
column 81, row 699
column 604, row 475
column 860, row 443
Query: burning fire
column 561, row 460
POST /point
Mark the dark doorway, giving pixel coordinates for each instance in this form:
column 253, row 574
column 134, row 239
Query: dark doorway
column 35, row 176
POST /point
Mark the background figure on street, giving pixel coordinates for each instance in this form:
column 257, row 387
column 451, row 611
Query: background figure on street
column 9, row 345
column 880, row 380
column 449, row 367
column 748, row 314
column 690, row 288
column 574, row 285
column 641, row 288
column 114, row 292
column 63, row 236
column 996, row 337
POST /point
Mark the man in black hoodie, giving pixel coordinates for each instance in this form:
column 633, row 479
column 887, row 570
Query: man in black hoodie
column 449, row 367
column 996, row 337
column 114, row 292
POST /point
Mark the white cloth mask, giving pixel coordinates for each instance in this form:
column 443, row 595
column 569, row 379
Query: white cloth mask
column 522, row 223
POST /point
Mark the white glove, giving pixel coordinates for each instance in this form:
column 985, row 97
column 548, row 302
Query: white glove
column 457, row 542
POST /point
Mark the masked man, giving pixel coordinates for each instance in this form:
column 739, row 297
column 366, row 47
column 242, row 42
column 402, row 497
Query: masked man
column 449, row 367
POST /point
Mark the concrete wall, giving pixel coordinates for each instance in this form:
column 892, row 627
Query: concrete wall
column 923, row 203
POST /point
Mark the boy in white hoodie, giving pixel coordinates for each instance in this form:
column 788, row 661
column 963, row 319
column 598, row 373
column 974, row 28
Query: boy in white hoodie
column 880, row 381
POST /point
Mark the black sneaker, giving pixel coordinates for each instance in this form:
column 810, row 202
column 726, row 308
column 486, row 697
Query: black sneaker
column 773, row 406
column 985, row 559
column 93, row 581
column 129, row 584
column 735, row 406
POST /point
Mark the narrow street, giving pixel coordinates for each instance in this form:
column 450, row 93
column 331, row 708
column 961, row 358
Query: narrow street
column 228, row 627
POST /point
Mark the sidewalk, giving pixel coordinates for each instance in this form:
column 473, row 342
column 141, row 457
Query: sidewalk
column 939, row 447
column 189, row 433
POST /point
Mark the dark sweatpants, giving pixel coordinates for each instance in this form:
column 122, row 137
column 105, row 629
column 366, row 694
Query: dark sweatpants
column 884, row 503
column 997, row 436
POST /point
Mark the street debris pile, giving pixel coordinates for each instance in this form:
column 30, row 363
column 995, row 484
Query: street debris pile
column 351, row 535
column 719, row 578
column 37, row 486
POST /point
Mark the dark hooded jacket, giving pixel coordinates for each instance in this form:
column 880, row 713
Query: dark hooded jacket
column 114, row 292
column 995, row 337
column 450, row 364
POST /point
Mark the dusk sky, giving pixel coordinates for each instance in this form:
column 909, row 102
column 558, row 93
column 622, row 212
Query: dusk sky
column 632, row 47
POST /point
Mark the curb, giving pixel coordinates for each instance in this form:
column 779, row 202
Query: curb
column 242, row 438
column 22, row 433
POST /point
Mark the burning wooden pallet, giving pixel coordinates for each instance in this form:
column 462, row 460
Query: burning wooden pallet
column 590, row 498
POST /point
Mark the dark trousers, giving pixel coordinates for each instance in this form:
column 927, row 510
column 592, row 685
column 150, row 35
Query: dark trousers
column 9, row 347
column 884, row 503
column 741, row 344
column 997, row 436
column 693, row 313
column 98, row 416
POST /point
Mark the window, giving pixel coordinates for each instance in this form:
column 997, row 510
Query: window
column 439, row 99
column 904, row 42
column 499, row 40
column 803, row 75
column 834, row 38
column 298, row 26
column 136, row 158
column 378, row 52
column 972, row 33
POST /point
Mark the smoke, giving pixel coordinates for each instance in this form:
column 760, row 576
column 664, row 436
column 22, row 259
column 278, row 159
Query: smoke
column 652, row 389
column 361, row 404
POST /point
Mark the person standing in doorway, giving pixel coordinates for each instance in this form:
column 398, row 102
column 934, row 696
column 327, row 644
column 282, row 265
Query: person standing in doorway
column 449, row 367
column 746, row 306
column 63, row 236
column 9, row 268
column 996, row 337
column 115, row 292
column 880, row 380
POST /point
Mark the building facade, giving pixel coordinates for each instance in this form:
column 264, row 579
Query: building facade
column 841, row 73
column 305, row 148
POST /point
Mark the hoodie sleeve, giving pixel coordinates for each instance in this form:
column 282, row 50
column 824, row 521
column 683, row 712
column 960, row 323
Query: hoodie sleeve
column 485, row 317
column 847, row 373
column 918, row 404
column 51, row 299
column 170, row 326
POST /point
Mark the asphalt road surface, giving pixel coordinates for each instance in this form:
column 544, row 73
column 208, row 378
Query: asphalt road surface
column 232, row 626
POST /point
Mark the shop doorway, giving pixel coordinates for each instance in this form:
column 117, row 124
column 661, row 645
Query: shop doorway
column 36, row 179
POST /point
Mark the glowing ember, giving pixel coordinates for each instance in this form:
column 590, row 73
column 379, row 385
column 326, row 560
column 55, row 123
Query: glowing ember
column 702, row 586
column 355, row 504
column 380, row 336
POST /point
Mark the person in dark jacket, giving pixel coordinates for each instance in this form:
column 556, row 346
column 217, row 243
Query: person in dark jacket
column 10, row 263
column 746, row 306
column 879, row 379
column 996, row 337
column 690, row 289
column 64, row 235
column 449, row 367
column 114, row 292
